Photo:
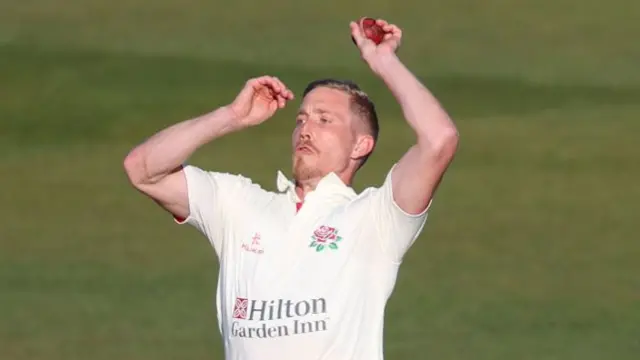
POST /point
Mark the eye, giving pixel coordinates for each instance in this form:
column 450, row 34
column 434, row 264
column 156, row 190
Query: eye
column 324, row 120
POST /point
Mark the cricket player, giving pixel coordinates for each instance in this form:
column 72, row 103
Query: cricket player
column 306, row 271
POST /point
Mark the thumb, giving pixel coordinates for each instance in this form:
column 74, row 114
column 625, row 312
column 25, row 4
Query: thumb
column 357, row 35
column 247, row 92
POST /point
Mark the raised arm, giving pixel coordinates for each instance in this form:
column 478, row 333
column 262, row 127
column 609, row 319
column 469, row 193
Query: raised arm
column 155, row 166
column 418, row 173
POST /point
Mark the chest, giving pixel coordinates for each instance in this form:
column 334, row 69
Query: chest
column 277, row 248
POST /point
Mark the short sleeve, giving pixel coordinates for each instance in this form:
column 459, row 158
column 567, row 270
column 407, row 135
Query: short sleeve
column 209, row 193
column 396, row 229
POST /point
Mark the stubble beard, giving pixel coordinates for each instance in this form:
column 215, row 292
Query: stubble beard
column 304, row 169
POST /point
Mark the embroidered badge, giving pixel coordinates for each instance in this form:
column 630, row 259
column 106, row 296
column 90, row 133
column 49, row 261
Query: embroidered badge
column 255, row 246
column 325, row 237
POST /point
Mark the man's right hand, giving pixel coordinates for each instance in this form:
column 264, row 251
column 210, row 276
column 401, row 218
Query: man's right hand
column 259, row 99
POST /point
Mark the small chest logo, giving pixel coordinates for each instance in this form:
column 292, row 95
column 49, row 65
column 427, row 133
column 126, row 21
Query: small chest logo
column 255, row 246
column 325, row 237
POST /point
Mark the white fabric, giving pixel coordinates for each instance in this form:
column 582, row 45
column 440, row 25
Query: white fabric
column 283, row 294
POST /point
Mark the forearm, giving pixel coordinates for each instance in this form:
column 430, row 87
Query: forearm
column 421, row 109
column 168, row 149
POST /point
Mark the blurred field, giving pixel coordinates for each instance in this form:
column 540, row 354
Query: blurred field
column 531, row 252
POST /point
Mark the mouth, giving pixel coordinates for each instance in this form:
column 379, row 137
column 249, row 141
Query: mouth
column 305, row 149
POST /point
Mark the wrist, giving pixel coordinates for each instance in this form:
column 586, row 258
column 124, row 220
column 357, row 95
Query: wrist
column 234, row 120
column 229, row 113
column 224, row 120
column 381, row 64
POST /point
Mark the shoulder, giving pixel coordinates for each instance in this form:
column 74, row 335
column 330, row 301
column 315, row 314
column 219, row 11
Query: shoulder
column 192, row 171
column 382, row 198
column 225, row 183
column 373, row 191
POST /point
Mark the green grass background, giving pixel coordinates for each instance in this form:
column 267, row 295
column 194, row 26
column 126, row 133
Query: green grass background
column 532, row 249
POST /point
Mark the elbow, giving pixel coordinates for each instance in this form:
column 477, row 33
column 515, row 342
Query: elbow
column 134, row 168
column 443, row 146
column 449, row 141
column 447, row 144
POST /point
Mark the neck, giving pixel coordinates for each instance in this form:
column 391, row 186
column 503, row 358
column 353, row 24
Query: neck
column 303, row 187
column 306, row 186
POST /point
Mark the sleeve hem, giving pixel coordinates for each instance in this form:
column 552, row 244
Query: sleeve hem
column 396, row 256
column 180, row 220
column 189, row 172
column 395, row 204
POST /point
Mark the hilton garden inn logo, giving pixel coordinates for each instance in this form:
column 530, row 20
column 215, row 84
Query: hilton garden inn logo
column 277, row 318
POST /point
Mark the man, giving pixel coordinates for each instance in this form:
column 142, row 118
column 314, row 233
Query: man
column 305, row 272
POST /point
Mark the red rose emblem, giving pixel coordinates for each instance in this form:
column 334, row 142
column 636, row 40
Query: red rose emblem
column 324, row 233
column 325, row 237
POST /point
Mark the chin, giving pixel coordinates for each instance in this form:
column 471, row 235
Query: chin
column 305, row 168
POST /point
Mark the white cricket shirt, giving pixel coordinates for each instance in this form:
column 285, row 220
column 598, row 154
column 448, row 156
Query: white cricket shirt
column 305, row 284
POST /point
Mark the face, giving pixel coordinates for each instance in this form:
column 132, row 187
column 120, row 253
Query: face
column 325, row 138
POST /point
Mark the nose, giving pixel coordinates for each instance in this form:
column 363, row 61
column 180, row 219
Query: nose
column 305, row 130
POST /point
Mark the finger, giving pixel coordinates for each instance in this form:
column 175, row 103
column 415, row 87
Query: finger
column 250, row 87
column 286, row 97
column 396, row 31
column 381, row 23
column 279, row 85
column 357, row 34
column 262, row 80
column 288, row 94
column 284, row 90
column 392, row 39
column 259, row 84
column 269, row 82
column 392, row 29
column 276, row 86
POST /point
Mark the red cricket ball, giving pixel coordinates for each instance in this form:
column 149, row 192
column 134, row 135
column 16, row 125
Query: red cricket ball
column 372, row 30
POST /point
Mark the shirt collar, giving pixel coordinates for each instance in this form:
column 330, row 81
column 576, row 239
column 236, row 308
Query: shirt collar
column 331, row 183
column 286, row 185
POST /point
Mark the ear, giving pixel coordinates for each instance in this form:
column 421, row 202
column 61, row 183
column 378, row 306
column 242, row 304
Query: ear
column 363, row 147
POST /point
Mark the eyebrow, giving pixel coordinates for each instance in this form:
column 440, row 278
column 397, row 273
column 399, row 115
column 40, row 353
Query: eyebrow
column 320, row 111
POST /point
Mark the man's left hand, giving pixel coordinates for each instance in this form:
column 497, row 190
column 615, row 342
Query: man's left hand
column 375, row 54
